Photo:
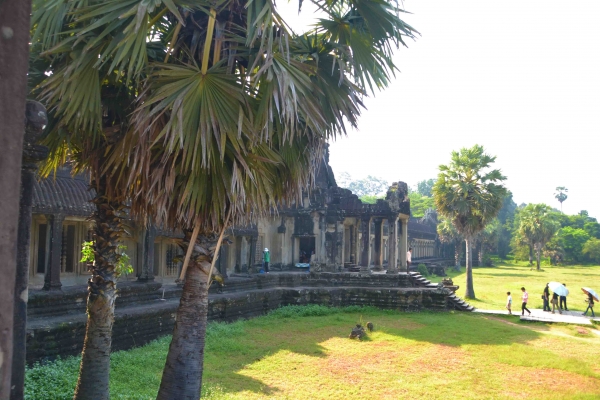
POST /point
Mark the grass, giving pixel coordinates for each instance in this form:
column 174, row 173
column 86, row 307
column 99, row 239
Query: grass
column 491, row 284
column 305, row 353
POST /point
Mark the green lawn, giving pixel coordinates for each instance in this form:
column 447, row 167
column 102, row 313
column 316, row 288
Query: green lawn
column 304, row 353
column 491, row 284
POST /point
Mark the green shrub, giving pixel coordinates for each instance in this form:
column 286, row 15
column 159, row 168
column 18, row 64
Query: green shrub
column 422, row 268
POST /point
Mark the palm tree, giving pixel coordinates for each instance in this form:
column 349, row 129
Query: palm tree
column 201, row 114
column 561, row 195
column 447, row 233
column 537, row 226
column 469, row 194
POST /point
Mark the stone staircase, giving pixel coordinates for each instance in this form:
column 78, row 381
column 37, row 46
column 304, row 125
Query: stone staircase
column 453, row 301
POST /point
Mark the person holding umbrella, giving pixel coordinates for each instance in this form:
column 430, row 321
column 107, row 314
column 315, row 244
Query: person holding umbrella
column 563, row 301
column 558, row 289
column 590, row 300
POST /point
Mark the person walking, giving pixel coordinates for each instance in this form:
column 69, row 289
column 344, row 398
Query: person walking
column 509, row 302
column 266, row 259
column 408, row 259
column 555, row 303
column 590, row 307
column 546, row 298
column 524, row 298
column 563, row 301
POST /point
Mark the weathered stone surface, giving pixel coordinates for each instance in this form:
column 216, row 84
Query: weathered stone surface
column 57, row 319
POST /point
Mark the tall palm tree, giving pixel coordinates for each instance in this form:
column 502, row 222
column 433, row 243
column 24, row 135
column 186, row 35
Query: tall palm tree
column 538, row 225
column 561, row 195
column 470, row 194
column 200, row 114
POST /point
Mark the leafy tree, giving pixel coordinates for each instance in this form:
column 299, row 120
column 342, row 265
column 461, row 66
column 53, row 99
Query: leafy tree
column 448, row 233
column 370, row 199
column 554, row 251
column 343, row 179
column 561, row 195
column 419, row 204
column 537, row 227
column 470, row 194
column 199, row 114
column 572, row 241
column 591, row 249
column 592, row 228
column 488, row 240
column 506, row 217
column 369, row 186
column 425, row 187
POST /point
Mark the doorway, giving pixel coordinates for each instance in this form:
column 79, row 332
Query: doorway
column 307, row 247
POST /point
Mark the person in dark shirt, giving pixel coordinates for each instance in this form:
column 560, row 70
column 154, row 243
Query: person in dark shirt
column 590, row 306
column 546, row 298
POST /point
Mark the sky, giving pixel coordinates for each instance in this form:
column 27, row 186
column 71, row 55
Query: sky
column 521, row 78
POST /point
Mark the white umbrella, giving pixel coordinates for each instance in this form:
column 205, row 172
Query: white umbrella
column 587, row 290
column 558, row 288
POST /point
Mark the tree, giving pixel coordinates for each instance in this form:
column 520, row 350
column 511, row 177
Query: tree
column 592, row 228
column 343, row 179
column 561, row 195
column 537, row 226
column 369, row 186
column 470, row 194
column 488, row 241
column 203, row 114
column 425, row 187
column 506, row 218
column 447, row 233
column 419, row 204
column 591, row 249
column 572, row 241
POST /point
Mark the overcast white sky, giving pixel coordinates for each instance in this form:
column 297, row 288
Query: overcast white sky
column 520, row 77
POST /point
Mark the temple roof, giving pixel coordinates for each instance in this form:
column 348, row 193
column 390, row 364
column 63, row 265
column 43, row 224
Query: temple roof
column 63, row 194
column 420, row 230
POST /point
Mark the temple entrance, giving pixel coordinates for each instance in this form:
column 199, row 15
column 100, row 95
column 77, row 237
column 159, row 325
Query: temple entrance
column 307, row 247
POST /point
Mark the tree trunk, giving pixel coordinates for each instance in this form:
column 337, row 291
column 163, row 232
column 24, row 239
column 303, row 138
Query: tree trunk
column 530, row 254
column 538, row 251
column 93, row 382
column 182, row 375
column 469, row 292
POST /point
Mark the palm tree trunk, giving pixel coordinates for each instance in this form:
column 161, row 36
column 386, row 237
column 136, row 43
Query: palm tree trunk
column 95, row 360
column 182, row 375
column 470, row 292
column 530, row 254
column 538, row 251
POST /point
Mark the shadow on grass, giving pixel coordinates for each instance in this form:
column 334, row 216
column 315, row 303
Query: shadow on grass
column 306, row 337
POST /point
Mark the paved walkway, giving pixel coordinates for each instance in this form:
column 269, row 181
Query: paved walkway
column 567, row 317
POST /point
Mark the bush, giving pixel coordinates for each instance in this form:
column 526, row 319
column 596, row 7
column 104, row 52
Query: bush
column 422, row 268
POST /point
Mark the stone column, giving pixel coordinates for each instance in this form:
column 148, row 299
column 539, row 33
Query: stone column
column 365, row 226
column 378, row 245
column 52, row 276
column 252, row 252
column 147, row 273
column 403, row 243
column 393, row 246
column 36, row 121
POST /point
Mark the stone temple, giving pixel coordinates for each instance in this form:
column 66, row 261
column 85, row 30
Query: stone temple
column 341, row 231
column 356, row 253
